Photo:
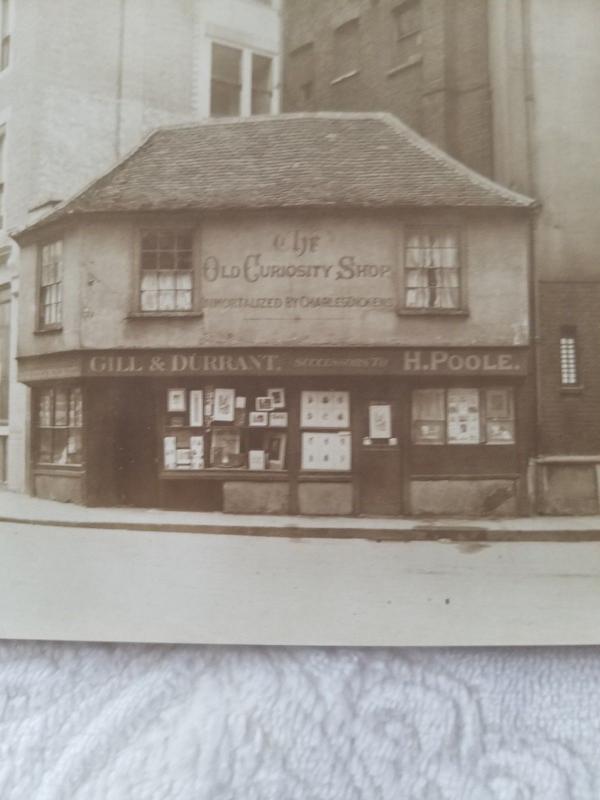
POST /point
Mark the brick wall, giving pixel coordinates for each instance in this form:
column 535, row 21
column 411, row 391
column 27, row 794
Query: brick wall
column 438, row 84
column 569, row 418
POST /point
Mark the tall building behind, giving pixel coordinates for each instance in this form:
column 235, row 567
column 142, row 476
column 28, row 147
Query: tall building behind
column 509, row 87
column 81, row 82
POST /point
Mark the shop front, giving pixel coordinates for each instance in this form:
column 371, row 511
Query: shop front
column 324, row 431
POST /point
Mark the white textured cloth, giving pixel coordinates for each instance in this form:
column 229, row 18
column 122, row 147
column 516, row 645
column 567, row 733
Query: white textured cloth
column 118, row 722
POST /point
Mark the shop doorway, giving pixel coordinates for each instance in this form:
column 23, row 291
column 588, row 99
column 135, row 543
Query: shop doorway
column 136, row 445
column 380, row 488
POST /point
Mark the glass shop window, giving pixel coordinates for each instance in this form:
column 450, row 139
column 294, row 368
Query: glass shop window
column 166, row 282
column 569, row 366
column 214, row 427
column 463, row 416
column 431, row 269
column 326, row 437
column 59, row 426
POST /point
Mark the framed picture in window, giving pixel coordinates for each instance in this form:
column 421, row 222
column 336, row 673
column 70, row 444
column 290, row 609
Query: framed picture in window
column 224, row 410
column 225, row 447
column 176, row 400
column 264, row 403
column 258, row 419
column 257, row 459
column 380, row 421
column 277, row 397
column 278, row 419
column 275, row 443
column 196, row 408
column 170, row 451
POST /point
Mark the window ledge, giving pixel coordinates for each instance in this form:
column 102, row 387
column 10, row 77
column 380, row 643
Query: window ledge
column 137, row 315
column 576, row 389
column 432, row 312
column 43, row 331
column 346, row 76
column 410, row 62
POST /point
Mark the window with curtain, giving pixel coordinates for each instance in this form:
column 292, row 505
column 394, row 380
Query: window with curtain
column 166, row 282
column 431, row 268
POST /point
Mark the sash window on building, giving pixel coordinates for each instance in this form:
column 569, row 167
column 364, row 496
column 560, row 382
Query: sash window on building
column 432, row 272
column 166, row 282
column 50, row 291
column 59, row 420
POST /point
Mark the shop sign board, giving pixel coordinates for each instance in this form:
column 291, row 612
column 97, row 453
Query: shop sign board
column 408, row 361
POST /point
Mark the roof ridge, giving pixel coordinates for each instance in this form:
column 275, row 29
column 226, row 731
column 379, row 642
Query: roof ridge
column 442, row 156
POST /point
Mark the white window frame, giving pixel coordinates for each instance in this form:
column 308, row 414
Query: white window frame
column 246, row 75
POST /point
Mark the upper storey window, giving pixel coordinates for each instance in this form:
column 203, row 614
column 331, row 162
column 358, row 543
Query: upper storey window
column 241, row 82
column 166, row 281
column 346, row 50
column 50, row 286
column 431, row 269
column 406, row 31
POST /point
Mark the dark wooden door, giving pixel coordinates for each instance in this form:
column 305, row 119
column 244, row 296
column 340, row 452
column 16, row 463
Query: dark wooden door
column 136, row 444
column 380, row 459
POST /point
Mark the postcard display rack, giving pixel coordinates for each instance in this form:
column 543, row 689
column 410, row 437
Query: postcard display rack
column 217, row 428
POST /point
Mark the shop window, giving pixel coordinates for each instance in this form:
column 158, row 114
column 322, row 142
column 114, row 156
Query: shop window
column 226, row 81
column 50, row 285
column 346, row 50
column 166, row 281
column 59, row 430
column 222, row 428
column 262, row 84
column 406, row 31
column 432, row 272
column 5, row 31
column 326, row 437
column 569, row 367
column 463, row 416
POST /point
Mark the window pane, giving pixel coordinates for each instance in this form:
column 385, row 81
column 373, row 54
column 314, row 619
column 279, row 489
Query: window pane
column 224, row 100
column 75, row 447
column 226, row 64
column 568, row 358
column 45, row 446
column 428, row 416
column 463, row 421
column 60, row 443
column 261, row 84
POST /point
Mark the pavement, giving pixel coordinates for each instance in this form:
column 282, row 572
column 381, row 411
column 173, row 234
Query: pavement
column 20, row 508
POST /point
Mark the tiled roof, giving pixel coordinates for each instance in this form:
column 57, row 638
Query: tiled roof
column 287, row 161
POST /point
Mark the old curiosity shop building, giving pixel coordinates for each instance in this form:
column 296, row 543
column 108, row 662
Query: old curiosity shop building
column 308, row 313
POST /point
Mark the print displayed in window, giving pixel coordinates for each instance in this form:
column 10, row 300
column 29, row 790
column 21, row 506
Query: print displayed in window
column 166, row 282
column 431, row 268
column 463, row 416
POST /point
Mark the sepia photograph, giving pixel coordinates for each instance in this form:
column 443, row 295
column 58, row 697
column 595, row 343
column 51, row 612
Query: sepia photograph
column 299, row 335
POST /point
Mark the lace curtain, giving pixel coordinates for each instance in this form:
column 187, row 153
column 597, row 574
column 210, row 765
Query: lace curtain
column 431, row 269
